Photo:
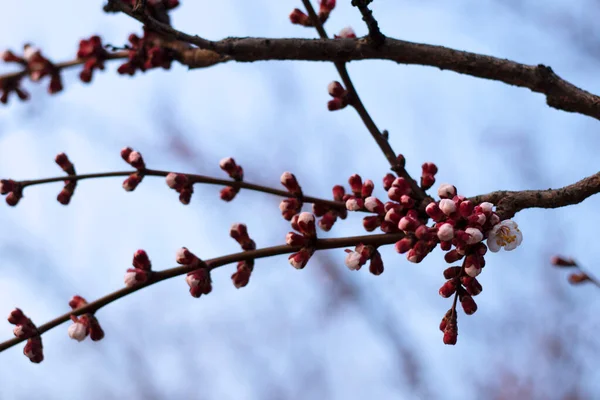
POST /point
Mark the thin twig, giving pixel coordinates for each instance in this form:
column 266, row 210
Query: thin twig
column 193, row 179
column 320, row 244
column 360, row 108
column 375, row 34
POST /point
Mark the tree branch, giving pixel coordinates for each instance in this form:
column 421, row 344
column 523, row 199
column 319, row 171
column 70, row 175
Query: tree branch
column 193, row 178
column 508, row 203
column 320, row 244
column 374, row 33
column 355, row 101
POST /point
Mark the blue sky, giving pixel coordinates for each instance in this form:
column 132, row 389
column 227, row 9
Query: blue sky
column 287, row 334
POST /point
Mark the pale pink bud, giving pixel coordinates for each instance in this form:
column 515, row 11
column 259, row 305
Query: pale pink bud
column 446, row 191
column 30, row 52
column 336, row 89
column 135, row 160
column 445, row 232
column 290, row 182
column 494, row 219
column 130, row 278
column 373, row 204
column 295, row 239
column 403, row 245
column 472, row 270
column 186, row 257
column 476, row 235
column 353, row 261
column 306, row 223
column 77, row 331
column 300, row 259
column 486, row 206
column 347, row 33
column 354, row 204
column 433, row 210
column 447, row 206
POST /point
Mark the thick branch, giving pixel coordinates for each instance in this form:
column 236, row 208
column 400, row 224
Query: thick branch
column 321, row 244
column 508, row 203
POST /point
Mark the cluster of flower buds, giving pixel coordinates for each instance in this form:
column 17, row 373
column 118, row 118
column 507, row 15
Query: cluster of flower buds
column 449, row 326
column 359, row 257
column 340, row 96
column 25, row 328
column 428, row 175
column 239, row 232
column 13, row 191
column 346, row 33
column 36, row 66
column 94, row 54
column 134, row 159
column 199, row 279
column 141, row 271
column 305, row 224
column 292, row 205
column 146, row 53
column 298, row 16
column 10, row 85
column 182, row 185
column 64, row 197
column 84, row 325
column 329, row 214
column 235, row 172
column 575, row 278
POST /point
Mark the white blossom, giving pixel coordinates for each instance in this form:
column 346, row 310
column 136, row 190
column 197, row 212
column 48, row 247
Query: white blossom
column 505, row 234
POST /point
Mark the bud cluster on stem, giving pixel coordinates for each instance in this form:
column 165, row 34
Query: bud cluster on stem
column 239, row 232
column 25, row 328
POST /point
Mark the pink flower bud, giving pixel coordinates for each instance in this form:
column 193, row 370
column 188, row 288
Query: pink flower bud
column 306, row 224
column 346, row 33
column 354, row 261
column 7, row 186
column 452, row 272
column 427, row 181
column 468, row 304
column 486, row 207
column 408, row 224
column 446, row 191
column 447, row 206
column 300, row 259
column 299, row 18
column 291, row 184
column 433, row 210
column 132, row 182
column 141, row 260
column 367, row 188
column 371, row 223
column 337, row 103
column 336, row 89
column 445, row 232
column 186, row 257
column 403, row 245
column 77, row 331
column 12, row 199
column 387, row 181
column 355, row 182
column 295, row 239
column 376, row 265
column 135, row 160
column 452, row 256
column 228, row 193
column 448, row 288
column 338, row 192
column 475, row 235
column 373, row 204
column 177, row 181
column 289, row 208
column 354, row 204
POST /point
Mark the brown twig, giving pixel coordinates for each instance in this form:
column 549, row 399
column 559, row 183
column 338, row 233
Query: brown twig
column 355, row 101
column 560, row 94
column 320, row 244
column 508, row 203
column 193, row 179
column 374, row 32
